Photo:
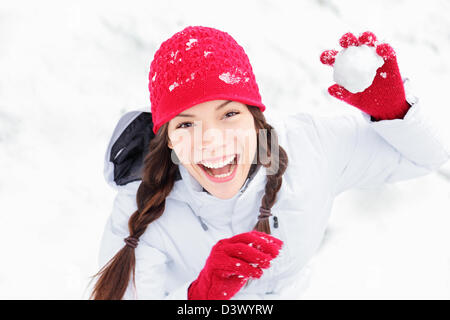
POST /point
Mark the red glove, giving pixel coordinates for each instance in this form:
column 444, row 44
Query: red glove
column 231, row 263
column 385, row 97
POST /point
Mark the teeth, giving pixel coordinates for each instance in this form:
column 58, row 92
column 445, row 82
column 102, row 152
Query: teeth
column 224, row 174
column 219, row 164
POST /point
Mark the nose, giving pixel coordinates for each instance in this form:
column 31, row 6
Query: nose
column 212, row 138
column 213, row 143
column 212, row 150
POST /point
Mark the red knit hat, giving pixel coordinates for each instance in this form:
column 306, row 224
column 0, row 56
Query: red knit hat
column 195, row 65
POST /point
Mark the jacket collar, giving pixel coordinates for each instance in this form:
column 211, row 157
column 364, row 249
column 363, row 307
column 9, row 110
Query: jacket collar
column 209, row 207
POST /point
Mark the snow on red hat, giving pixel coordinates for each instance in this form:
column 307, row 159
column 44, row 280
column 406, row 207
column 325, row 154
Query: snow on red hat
column 195, row 65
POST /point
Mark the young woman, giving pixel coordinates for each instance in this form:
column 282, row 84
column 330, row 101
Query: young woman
column 215, row 200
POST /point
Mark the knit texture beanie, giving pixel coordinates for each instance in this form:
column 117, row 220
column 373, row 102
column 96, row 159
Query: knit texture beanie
column 196, row 65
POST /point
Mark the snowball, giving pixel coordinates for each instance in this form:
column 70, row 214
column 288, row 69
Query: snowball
column 356, row 66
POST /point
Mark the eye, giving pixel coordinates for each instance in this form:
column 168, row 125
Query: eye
column 236, row 112
column 181, row 125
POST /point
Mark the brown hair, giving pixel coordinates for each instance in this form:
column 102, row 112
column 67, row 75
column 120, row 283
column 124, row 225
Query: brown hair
column 158, row 178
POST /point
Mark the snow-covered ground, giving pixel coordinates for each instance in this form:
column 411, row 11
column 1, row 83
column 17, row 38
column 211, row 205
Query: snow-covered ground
column 68, row 70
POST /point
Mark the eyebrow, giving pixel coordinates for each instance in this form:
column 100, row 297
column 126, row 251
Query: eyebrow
column 192, row 115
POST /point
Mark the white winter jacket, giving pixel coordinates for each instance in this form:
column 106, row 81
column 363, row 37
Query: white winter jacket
column 327, row 155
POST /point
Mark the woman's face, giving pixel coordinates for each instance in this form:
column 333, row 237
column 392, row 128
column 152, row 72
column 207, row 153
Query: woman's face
column 216, row 142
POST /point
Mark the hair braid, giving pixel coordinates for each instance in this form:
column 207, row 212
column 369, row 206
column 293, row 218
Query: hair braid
column 157, row 182
column 277, row 164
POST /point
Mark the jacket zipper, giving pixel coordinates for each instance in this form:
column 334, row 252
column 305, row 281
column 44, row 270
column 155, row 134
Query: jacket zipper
column 275, row 221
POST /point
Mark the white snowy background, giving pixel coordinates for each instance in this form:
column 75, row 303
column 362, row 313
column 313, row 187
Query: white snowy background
column 69, row 69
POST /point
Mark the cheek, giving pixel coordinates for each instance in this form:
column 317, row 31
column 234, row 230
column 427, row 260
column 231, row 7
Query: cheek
column 248, row 146
column 183, row 154
column 182, row 146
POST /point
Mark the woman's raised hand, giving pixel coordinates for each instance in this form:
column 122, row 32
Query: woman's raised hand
column 367, row 76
